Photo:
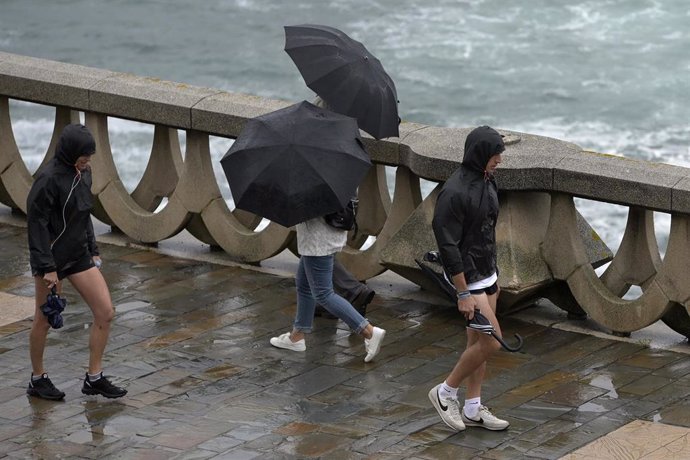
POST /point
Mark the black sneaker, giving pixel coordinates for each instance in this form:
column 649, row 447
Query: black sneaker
column 44, row 388
column 102, row 387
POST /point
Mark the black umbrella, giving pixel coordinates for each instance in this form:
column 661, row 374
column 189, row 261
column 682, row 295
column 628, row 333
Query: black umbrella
column 296, row 163
column 482, row 324
column 346, row 75
column 439, row 279
column 478, row 322
column 53, row 308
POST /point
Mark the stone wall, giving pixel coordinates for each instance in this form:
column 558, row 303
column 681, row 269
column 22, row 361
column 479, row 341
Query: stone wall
column 546, row 249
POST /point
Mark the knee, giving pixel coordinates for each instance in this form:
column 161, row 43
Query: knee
column 40, row 325
column 104, row 316
column 489, row 345
column 493, row 345
column 321, row 295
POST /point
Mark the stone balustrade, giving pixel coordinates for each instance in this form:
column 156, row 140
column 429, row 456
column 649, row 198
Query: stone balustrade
column 546, row 248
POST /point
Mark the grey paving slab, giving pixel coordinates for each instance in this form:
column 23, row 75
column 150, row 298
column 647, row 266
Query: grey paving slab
column 190, row 342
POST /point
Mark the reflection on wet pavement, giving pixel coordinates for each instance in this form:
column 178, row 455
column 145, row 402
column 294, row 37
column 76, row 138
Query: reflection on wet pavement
column 190, row 343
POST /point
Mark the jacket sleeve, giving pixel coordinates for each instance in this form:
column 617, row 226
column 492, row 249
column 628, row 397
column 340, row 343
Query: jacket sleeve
column 40, row 203
column 91, row 239
column 448, row 229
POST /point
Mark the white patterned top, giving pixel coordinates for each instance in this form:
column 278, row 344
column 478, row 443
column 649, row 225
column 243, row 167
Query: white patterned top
column 316, row 238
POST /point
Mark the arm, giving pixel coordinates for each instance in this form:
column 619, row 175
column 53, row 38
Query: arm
column 39, row 204
column 448, row 229
column 466, row 302
column 90, row 235
column 93, row 247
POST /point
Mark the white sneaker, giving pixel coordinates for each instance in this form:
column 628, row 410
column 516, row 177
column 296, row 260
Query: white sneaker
column 485, row 419
column 283, row 341
column 373, row 345
column 447, row 408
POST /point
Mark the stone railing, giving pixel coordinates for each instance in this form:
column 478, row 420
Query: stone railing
column 546, row 249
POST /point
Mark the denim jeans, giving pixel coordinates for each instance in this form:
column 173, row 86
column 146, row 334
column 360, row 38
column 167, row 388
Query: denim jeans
column 315, row 285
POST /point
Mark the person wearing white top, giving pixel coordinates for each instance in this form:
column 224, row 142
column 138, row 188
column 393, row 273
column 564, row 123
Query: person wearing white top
column 317, row 243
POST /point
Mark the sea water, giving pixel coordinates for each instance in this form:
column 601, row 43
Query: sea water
column 609, row 75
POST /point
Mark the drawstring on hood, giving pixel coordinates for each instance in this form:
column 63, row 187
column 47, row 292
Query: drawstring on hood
column 75, row 141
column 481, row 144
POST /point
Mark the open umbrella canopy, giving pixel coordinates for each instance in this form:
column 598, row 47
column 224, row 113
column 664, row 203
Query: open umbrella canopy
column 346, row 75
column 296, row 163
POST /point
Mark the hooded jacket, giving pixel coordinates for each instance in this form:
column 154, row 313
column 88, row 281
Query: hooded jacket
column 59, row 206
column 466, row 211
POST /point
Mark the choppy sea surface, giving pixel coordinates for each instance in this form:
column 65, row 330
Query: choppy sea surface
column 609, row 75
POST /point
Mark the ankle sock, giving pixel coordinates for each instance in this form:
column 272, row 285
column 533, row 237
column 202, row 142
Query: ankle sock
column 36, row 378
column 472, row 407
column 447, row 392
column 95, row 377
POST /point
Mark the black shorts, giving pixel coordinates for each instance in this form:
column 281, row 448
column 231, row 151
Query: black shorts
column 493, row 289
column 70, row 268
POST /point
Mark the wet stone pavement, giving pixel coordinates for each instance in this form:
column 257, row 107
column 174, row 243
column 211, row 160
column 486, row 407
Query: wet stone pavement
column 190, row 343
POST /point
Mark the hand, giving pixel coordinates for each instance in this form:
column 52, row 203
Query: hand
column 466, row 306
column 97, row 261
column 50, row 279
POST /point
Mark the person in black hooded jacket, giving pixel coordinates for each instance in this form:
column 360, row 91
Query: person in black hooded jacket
column 464, row 225
column 62, row 245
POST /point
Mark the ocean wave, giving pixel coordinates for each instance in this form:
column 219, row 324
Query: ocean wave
column 664, row 144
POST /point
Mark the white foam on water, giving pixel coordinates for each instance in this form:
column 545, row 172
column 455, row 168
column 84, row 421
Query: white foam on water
column 608, row 76
column 33, row 138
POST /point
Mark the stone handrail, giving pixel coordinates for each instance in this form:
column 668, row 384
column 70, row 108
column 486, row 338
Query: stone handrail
column 546, row 249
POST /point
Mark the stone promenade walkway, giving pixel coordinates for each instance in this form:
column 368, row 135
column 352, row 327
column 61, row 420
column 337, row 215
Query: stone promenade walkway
column 190, row 342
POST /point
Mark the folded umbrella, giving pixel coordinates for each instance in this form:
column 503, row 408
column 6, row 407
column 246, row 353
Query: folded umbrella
column 439, row 280
column 53, row 308
column 482, row 324
column 479, row 322
column 296, row 164
column 346, row 75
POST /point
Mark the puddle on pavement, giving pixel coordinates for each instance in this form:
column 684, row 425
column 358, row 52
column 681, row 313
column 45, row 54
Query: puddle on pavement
column 604, row 381
column 592, row 407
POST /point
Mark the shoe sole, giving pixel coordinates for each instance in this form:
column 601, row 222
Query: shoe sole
column 432, row 397
column 49, row 398
column 481, row 425
column 280, row 346
column 105, row 395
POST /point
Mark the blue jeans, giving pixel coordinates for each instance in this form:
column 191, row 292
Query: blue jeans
column 315, row 285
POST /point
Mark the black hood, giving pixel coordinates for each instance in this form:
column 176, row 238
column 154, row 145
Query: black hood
column 75, row 141
column 481, row 144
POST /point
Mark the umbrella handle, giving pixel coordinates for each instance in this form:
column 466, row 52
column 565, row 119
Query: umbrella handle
column 53, row 290
column 506, row 346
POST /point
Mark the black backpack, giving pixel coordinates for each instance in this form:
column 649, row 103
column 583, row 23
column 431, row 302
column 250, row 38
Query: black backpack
column 345, row 219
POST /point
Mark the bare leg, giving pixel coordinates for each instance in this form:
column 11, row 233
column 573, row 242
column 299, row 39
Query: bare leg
column 474, row 381
column 475, row 355
column 39, row 326
column 92, row 287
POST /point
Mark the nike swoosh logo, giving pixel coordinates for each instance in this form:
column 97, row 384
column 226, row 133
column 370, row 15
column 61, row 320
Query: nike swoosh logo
column 443, row 408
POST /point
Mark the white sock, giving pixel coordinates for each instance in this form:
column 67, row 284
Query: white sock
column 472, row 407
column 94, row 377
column 446, row 391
